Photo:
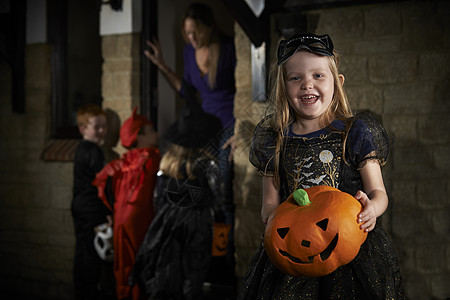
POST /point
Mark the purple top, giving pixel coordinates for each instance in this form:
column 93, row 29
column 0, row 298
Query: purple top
column 218, row 101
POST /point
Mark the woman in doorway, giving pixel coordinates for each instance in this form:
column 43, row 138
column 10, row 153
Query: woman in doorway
column 209, row 66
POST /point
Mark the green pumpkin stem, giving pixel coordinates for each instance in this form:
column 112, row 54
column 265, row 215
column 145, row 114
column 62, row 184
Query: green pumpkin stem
column 301, row 197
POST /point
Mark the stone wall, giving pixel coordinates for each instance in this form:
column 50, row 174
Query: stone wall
column 396, row 61
column 36, row 230
column 120, row 84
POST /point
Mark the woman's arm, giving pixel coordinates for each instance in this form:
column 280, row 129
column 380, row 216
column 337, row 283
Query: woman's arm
column 156, row 57
column 271, row 198
column 375, row 199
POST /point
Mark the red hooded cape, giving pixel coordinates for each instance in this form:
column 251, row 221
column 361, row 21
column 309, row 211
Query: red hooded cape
column 133, row 182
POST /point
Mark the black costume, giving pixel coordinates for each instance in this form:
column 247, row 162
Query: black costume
column 88, row 212
column 316, row 159
column 175, row 255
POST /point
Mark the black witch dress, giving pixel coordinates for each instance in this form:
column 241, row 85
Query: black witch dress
column 317, row 159
column 174, row 258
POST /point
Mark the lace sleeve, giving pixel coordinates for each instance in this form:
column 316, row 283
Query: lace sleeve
column 367, row 140
column 262, row 149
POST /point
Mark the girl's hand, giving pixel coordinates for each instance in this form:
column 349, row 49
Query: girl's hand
column 231, row 142
column 155, row 55
column 368, row 217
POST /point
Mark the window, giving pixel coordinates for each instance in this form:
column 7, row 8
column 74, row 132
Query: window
column 73, row 32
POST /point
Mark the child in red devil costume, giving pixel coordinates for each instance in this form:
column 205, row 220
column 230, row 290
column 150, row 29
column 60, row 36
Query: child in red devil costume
column 133, row 180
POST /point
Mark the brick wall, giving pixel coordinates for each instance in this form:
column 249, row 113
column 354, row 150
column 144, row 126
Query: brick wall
column 396, row 61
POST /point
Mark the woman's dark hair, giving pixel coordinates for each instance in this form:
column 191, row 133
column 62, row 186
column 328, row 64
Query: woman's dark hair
column 200, row 12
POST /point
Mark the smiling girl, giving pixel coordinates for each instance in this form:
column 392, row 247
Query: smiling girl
column 310, row 139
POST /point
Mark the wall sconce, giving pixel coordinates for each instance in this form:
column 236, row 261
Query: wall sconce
column 115, row 4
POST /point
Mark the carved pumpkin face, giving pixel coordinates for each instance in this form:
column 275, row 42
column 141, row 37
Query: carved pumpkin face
column 314, row 232
column 220, row 240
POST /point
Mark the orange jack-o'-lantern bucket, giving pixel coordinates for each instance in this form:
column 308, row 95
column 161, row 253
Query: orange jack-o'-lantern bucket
column 314, row 232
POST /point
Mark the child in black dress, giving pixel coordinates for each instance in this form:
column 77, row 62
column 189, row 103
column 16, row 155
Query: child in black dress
column 312, row 138
column 174, row 258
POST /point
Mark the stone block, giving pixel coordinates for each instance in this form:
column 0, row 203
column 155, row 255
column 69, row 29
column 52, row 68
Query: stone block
column 35, row 126
column 109, row 47
column 403, row 129
column 12, row 219
column 135, row 88
column 128, row 45
column 122, row 84
column 58, row 240
column 435, row 129
column 417, row 34
column 61, row 196
column 432, row 194
column 242, row 76
column 50, row 289
column 243, row 105
column 383, row 20
column 36, row 274
column 244, row 133
column 341, row 23
column 355, row 70
column 403, row 196
column 53, row 258
column 53, row 220
column 34, row 220
column 120, row 65
column 243, row 260
column 68, row 222
column 39, row 101
column 37, row 66
column 15, row 285
column 441, row 157
column 417, row 287
column 414, row 159
column 250, row 228
column 410, row 98
column 411, row 225
column 14, row 196
column 107, row 86
column 248, row 186
column 380, row 45
column 434, row 66
column 393, row 68
column 430, row 258
column 121, row 106
column 447, row 256
column 440, row 289
column 407, row 259
column 365, row 98
column 61, row 172
column 441, row 220
column 36, row 238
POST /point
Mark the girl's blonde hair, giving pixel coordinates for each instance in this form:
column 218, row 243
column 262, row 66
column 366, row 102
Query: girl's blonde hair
column 205, row 24
column 178, row 157
column 283, row 115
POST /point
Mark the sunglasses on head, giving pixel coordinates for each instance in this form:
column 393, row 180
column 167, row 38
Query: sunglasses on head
column 318, row 44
